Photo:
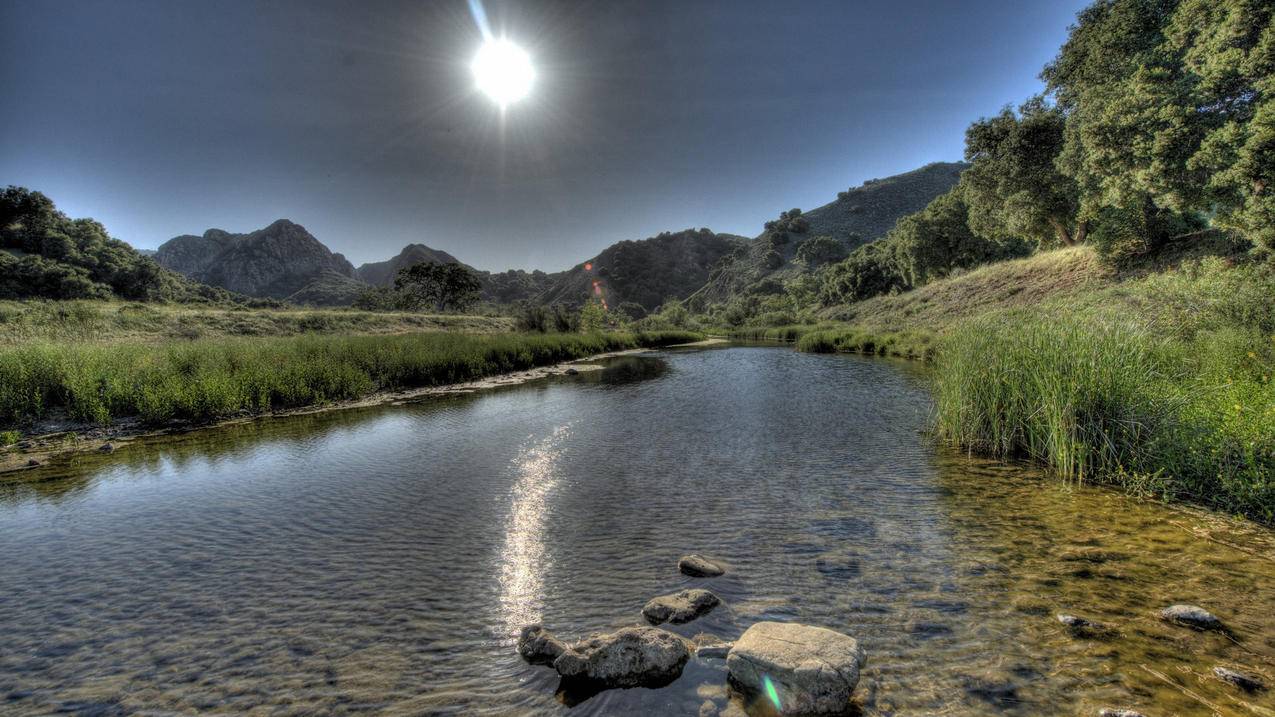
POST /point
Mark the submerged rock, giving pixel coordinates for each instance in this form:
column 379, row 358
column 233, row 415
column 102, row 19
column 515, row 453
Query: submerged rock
column 1191, row 616
column 571, row 371
column 812, row 670
column 539, row 646
column 680, row 607
column 698, row 566
column 33, row 463
column 1243, row 680
column 106, row 448
column 1080, row 627
column 629, row 657
column 711, row 646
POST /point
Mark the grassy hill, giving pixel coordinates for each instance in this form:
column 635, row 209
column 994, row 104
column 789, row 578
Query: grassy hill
column 857, row 216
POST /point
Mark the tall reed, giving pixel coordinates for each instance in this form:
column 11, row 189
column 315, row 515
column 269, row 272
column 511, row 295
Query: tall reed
column 215, row 378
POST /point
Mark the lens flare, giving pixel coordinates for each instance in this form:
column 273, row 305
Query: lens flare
column 771, row 692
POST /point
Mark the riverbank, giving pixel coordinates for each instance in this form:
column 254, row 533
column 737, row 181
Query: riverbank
column 1157, row 381
column 58, row 398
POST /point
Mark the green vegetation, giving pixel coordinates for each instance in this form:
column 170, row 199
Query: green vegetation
column 904, row 344
column 117, row 321
column 1173, row 399
column 438, row 287
column 44, row 253
column 209, row 379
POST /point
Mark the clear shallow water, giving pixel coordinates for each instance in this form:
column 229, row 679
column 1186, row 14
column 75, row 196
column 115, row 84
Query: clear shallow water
column 382, row 560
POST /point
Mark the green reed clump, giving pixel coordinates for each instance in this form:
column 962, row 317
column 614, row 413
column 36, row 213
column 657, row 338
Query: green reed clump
column 850, row 339
column 1108, row 400
column 788, row 333
column 214, row 378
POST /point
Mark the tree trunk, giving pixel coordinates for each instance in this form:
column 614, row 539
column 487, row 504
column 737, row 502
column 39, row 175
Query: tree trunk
column 1082, row 232
column 1061, row 230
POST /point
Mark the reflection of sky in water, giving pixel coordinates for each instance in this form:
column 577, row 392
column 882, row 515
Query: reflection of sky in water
column 523, row 558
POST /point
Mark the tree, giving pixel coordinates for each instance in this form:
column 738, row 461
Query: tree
column 932, row 242
column 1169, row 111
column 440, row 286
column 593, row 316
column 820, row 250
column 869, row 271
column 1013, row 187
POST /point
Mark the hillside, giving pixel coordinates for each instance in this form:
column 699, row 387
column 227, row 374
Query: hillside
column 45, row 254
column 857, row 216
column 645, row 272
column 1019, row 283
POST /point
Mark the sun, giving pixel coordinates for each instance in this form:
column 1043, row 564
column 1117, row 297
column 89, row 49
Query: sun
column 503, row 71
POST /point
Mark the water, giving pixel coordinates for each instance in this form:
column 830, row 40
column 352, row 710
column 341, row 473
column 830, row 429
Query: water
column 381, row 560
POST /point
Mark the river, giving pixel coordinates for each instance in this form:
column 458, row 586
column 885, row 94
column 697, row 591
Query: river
column 381, row 560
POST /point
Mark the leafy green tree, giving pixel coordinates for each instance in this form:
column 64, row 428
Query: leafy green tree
column 631, row 310
column 1012, row 186
column 1169, row 110
column 820, row 250
column 1228, row 48
column 932, row 242
column 73, row 258
column 869, row 271
column 593, row 317
column 440, row 286
column 378, row 298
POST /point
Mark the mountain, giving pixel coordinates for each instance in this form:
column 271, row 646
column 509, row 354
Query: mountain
column 857, row 216
column 275, row 262
column 645, row 272
column 382, row 273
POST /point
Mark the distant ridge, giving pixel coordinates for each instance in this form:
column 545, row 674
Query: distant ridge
column 857, row 216
column 381, row 273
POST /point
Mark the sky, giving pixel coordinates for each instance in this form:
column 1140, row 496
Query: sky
column 360, row 119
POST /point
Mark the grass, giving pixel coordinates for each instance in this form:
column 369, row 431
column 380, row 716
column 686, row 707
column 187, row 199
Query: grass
column 208, row 379
column 116, row 321
column 911, row 343
column 788, row 333
column 1161, row 385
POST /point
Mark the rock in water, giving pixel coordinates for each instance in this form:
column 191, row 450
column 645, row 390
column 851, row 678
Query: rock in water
column 538, row 646
column 811, row 670
column 698, row 566
column 1080, row 627
column 629, row 657
column 711, row 646
column 1242, row 680
column 1107, row 712
column 1191, row 616
column 680, row 607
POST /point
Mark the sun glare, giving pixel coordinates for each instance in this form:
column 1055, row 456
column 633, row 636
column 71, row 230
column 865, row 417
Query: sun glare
column 503, row 71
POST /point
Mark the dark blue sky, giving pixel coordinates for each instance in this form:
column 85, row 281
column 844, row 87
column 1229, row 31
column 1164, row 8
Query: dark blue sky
column 358, row 119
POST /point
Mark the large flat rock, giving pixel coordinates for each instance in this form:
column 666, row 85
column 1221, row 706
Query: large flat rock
column 813, row 670
column 629, row 657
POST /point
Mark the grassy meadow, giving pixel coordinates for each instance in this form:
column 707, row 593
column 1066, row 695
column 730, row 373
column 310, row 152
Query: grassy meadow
column 211, row 378
column 121, row 321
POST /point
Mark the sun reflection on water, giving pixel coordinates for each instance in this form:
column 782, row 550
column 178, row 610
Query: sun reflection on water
column 523, row 558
